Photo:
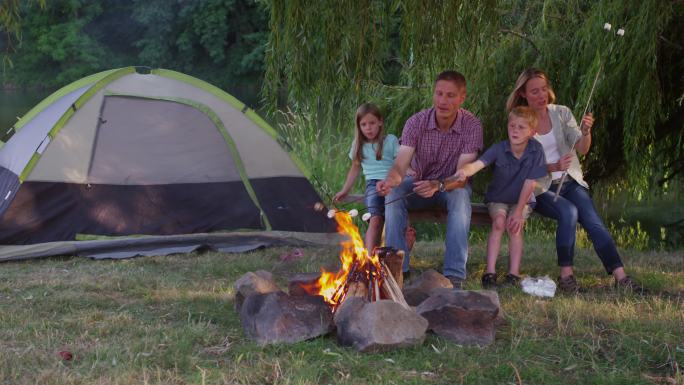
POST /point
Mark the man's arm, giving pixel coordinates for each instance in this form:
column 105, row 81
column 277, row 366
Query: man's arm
column 397, row 172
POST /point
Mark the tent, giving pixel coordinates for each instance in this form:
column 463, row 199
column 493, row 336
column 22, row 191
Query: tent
column 147, row 152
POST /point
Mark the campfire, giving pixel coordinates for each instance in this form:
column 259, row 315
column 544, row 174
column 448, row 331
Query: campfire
column 375, row 275
column 363, row 303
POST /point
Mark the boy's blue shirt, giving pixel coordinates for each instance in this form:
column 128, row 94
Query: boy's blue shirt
column 373, row 168
column 509, row 173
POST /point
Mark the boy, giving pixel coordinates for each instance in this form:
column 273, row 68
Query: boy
column 517, row 162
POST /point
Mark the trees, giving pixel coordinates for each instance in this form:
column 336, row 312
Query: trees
column 218, row 40
column 323, row 60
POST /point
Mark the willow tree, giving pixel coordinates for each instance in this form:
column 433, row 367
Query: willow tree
column 324, row 58
column 10, row 27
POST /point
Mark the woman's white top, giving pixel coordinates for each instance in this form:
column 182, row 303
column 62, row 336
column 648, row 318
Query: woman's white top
column 548, row 141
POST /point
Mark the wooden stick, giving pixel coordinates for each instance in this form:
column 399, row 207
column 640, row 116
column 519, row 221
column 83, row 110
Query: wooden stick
column 591, row 94
column 394, row 288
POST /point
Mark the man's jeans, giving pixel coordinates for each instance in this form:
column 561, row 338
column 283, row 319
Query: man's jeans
column 575, row 205
column 457, row 204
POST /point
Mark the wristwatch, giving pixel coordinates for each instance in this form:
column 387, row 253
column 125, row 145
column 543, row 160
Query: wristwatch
column 442, row 186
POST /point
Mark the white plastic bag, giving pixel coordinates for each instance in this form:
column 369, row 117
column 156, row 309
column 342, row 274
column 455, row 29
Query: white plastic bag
column 539, row 286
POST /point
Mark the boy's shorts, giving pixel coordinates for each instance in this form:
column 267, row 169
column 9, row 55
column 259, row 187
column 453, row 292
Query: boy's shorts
column 374, row 202
column 506, row 208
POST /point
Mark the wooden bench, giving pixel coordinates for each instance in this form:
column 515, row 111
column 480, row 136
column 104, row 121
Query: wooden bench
column 480, row 214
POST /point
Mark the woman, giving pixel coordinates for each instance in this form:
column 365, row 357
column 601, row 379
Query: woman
column 558, row 133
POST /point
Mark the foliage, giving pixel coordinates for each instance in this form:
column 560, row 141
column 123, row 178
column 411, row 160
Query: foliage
column 326, row 60
column 171, row 320
column 218, row 40
column 10, row 27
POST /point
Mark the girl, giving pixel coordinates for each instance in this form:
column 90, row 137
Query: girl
column 561, row 139
column 373, row 152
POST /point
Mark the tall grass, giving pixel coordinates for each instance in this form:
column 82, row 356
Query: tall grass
column 647, row 222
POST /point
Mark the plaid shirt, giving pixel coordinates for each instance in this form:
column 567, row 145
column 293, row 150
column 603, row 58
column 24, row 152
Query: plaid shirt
column 436, row 153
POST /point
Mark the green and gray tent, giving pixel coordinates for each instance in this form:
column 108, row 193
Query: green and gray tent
column 155, row 153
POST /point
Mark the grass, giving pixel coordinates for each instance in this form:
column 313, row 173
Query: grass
column 170, row 320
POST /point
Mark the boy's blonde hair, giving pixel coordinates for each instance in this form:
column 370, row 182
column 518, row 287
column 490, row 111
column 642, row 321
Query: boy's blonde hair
column 515, row 98
column 359, row 139
column 526, row 113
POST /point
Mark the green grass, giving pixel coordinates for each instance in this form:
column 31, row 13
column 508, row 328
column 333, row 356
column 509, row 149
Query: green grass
column 170, row 320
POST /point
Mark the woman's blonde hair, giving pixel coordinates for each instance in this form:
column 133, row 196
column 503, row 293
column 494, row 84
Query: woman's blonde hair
column 515, row 99
column 359, row 139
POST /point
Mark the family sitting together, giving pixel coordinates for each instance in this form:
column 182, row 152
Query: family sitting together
column 437, row 154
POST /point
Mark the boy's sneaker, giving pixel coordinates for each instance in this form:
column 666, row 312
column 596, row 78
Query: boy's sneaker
column 568, row 284
column 512, row 280
column 456, row 281
column 627, row 284
column 488, row 280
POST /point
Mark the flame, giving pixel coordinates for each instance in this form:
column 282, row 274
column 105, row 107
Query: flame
column 353, row 252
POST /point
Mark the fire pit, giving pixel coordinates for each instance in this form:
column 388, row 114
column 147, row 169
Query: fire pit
column 363, row 302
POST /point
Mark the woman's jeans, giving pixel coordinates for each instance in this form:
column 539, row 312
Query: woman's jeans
column 457, row 204
column 575, row 205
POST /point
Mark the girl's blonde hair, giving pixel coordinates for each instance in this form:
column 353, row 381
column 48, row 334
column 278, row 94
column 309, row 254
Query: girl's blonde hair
column 359, row 139
column 515, row 99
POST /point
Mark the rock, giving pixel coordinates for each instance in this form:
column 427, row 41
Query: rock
column 251, row 283
column 297, row 284
column 421, row 288
column 378, row 326
column 466, row 317
column 277, row 317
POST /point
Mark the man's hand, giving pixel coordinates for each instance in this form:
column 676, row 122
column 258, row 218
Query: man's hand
column 383, row 188
column 426, row 188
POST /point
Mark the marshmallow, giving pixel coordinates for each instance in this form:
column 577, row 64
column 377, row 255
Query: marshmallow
column 607, row 26
column 331, row 213
column 353, row 213
column 366, row 217
column 621, row 32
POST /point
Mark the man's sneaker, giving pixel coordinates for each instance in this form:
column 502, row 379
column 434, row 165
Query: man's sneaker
column 568, row 284
column 488, row 280
column 511, row 280
column 456, row 281
column 627, row 284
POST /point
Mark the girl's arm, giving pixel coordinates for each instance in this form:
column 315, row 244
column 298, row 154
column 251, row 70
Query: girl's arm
column 516, row 220
column 351, row 178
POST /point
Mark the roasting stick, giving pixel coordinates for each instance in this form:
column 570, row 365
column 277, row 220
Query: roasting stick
column 620, row 32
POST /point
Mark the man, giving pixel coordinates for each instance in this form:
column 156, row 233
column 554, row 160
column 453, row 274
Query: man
column 435, row 143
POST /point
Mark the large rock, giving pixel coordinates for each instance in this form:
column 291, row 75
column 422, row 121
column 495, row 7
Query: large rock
column 463, row 316
column 297, row 284
column 378, row 326
column 421, row 288
column 277, row 317
column 251, row 283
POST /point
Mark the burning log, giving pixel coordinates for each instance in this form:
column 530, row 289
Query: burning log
column 372, row 277
column 392, row 289
column 394, row 259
